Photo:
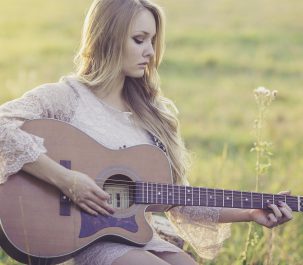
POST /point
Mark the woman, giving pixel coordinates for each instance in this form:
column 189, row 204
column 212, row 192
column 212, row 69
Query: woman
column 114, row 97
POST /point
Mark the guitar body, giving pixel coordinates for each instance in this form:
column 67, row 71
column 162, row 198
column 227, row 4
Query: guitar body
column 39, row 225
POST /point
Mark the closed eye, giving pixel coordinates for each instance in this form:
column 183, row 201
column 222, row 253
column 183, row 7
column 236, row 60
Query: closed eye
column 138, row 41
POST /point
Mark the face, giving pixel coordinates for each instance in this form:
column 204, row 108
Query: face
column 139, row 45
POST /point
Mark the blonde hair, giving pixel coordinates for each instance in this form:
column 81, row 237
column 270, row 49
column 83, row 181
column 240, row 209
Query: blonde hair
column 99, row 62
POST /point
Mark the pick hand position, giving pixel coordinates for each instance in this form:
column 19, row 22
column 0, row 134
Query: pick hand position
column 84, row 192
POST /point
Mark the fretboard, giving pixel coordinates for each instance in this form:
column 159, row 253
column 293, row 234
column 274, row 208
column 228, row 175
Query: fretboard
column 157, row 193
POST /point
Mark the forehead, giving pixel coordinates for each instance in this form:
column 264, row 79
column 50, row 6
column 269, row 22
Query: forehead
column 144, row 22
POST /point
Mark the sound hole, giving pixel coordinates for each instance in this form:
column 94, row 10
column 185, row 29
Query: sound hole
column 121, row 190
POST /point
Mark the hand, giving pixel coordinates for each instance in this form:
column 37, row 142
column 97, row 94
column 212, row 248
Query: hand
column 84, row 192
column 271, row 218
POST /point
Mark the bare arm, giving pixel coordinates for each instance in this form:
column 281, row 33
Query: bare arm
column 230, row 215
column 275, row 215
column 76, row 185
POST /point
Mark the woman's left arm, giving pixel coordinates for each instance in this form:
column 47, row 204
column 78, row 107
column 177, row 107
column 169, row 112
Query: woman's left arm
column 278, row 214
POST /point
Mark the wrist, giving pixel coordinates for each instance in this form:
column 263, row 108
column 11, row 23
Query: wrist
column 250, row 216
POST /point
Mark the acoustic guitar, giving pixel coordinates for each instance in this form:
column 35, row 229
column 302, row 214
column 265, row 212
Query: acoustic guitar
column 40, row 225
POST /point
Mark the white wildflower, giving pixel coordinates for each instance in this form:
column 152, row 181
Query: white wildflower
column 262, row 91
column 264, row 96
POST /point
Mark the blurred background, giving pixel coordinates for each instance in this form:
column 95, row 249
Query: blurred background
column 217, row 53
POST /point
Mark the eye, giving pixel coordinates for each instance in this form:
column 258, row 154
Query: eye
column 138, row 41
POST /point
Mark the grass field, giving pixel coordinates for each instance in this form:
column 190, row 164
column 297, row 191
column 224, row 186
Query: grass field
column 218, row 52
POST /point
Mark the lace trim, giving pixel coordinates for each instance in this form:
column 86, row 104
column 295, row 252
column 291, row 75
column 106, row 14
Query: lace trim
column 57, row 101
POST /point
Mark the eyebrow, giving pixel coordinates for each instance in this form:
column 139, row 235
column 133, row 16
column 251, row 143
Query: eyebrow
column 144, row 32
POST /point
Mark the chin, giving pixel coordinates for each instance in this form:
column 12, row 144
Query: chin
column 138, row 74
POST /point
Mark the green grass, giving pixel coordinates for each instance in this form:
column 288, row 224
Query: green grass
column 217, row 52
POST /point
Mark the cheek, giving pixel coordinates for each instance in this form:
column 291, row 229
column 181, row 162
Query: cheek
column 132, row 52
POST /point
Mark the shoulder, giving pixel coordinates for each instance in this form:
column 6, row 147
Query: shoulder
column 59, row 100
column 53, row 91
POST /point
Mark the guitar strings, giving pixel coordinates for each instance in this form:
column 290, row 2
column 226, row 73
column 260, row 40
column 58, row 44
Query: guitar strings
column 173, row 186
column 171, row 189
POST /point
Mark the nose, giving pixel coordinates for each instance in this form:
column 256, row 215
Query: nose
column 149, row 50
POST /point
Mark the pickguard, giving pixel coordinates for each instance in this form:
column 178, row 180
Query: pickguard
column 92, row 224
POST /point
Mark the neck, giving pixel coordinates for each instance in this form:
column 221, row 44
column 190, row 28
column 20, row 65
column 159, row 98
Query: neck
column 112, row 94
column 158, row 193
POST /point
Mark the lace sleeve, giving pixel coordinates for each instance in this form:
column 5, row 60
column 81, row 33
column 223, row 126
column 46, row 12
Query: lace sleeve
column 199, row 226
column 18, row 147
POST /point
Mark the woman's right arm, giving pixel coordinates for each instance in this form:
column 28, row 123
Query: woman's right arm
column 77, row 186
column 21, row 150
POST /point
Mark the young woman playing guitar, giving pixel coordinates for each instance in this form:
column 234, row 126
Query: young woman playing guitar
column 114, row 97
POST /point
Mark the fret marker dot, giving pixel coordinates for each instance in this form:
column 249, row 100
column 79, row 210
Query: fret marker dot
column 267, row 201
column 227, row 198
column 188, row 191
column 159, row 193
column 188, row 199
column 210, row 197
column 246, row 199
column 170, row 194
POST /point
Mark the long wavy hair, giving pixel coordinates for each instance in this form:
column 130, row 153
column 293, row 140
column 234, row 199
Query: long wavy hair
column 99, row 62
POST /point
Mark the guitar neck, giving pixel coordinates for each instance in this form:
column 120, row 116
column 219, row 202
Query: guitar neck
column 166, row 194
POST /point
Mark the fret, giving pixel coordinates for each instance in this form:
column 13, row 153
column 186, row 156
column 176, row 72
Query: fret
column 161, row 193
column 219, row 198
column 232, row 199
column 241, row 199
column 251, row 201
column 196, row 196
column 173, row 192
column 192, row 196
column 182, row 195
column 179, row 195
column 278, row 197
column 237, row 200
column 246, row 200
column 139, row 188
column 203, row 196
column 143, row 192
column 145, row 198
column 188, row 196
column 223, row 197
column 170, row 193
column 257, row 200
column 228, row 198
column 206, row 196
column 155, row 193
column 286, row 197
column 199, row 196
column 147, row 192
column 211, row 197
column 267, row 199
column 166, row 193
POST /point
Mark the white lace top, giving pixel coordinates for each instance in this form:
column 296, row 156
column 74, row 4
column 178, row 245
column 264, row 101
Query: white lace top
column 72, row 102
